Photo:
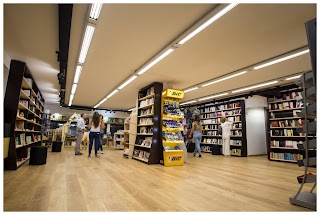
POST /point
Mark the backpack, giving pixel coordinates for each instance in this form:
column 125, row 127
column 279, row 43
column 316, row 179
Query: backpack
column 220, row 130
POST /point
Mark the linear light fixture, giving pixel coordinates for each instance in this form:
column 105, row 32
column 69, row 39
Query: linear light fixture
column 95, row 10
column 86, row 43
column 188, row 90
column 155, row 61
column 255, row 86
column 282, row 59
column 184, row 103
column 209, row 22
column 223, row 79
column 127, row 82
column 111, row 94
column 77, row 75
column 71, row 99
column 74, row 88
column 97, row 105
column 214, row 96
column 294, row 77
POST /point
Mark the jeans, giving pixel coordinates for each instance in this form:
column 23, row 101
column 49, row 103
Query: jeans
column 197, row 139
column 100, row 145
column 96, row 137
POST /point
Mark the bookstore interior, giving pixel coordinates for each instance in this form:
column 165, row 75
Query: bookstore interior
column 203, row 105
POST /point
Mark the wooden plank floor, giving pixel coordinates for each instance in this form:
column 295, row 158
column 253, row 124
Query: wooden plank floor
column 114, row 183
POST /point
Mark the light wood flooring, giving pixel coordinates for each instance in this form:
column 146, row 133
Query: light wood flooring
column 113, row 183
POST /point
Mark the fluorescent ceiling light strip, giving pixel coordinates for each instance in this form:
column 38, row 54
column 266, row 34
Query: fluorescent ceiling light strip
column 97, row 105
column 77, row 75
column 209, row 22
column 214, row 96
column 86, row 43
column 71, row 99
column 111, row 94
column 74, row 88
column 255, row 86
column 184, row 103
column 127, row 82
column 282, row 59
column 223, row 79
column 95, row 10
column 155, row 61
column 294, row 77
column 188, row 90
column 103, row 100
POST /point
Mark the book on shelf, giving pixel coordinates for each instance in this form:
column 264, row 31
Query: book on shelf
column 286, row 156
column 27, row 92
column 235, row 142
column 235, row 152
column 144, row 121
column 146, row 102
column 23, row 139
column 29, row 81
column 20, row 124
column 24, row 102
column 28, row 139
column 18, row 142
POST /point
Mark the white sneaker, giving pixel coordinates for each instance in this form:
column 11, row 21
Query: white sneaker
column 102, row 152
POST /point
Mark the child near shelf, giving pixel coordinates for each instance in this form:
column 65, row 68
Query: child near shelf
column 226, row 133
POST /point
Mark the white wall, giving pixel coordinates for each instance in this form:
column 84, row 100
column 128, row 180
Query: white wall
column 256, row 125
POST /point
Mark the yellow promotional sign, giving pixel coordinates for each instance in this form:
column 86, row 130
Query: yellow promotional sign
column 173, row 93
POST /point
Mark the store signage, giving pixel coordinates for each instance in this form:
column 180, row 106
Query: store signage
column 174, row 158
column 174, row 93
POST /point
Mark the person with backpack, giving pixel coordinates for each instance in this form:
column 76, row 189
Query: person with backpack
column 196, row 130
column 226, row 133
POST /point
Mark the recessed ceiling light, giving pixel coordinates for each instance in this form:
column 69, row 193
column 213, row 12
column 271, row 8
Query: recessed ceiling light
column 214, row 96
column 282, row 59
column 294, row 77
column 188, row 90
column 255, row 86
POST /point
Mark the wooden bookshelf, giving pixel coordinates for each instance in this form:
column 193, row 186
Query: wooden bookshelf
column 235, row 109
column 149, row 124
column 284, row 126
column 23, row 112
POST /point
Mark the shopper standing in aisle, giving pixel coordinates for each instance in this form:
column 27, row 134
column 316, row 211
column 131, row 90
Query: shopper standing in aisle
column 101, row 134
column 196, row 130
column 80, row 131
column 226, row 133
column 95, row 124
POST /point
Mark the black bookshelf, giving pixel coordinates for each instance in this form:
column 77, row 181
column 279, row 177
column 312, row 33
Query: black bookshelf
column 148, row 145
column 23, row 111
column 285, row 127
column 214, row 112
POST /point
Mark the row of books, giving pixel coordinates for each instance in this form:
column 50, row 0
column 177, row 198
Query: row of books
column 215, row 133
column 146, row 102
column 147, row 141
column 24, row 139
column 285, row 105
column 286, row 132
column 213, row 121
column 286, row 156
column 285, row 143
column 285, row 114
column 288, row 123
column 144, row 121
column 206, row 148
column 146, row 130
column 235, row 152
column 286, row 96
column 32, row 98
column 219, row 141
column 147, row 111
column 210, row 127
column 150, row 91
column 141, row 154
column 220, row 107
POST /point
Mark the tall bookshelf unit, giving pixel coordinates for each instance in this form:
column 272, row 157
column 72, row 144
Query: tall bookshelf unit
column 148, row 145
column 211, row 115
column 23, row 111
column 285, row 126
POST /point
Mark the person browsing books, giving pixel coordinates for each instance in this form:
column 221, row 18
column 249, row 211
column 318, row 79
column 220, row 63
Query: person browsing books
column 226, row 133
column 196, row 130
column 95, row 124
column 80, row 131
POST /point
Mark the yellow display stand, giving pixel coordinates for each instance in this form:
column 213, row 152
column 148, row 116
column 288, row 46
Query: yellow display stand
column 172, row 157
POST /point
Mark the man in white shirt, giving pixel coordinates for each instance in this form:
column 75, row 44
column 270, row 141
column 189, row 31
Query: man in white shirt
column 80, row 131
